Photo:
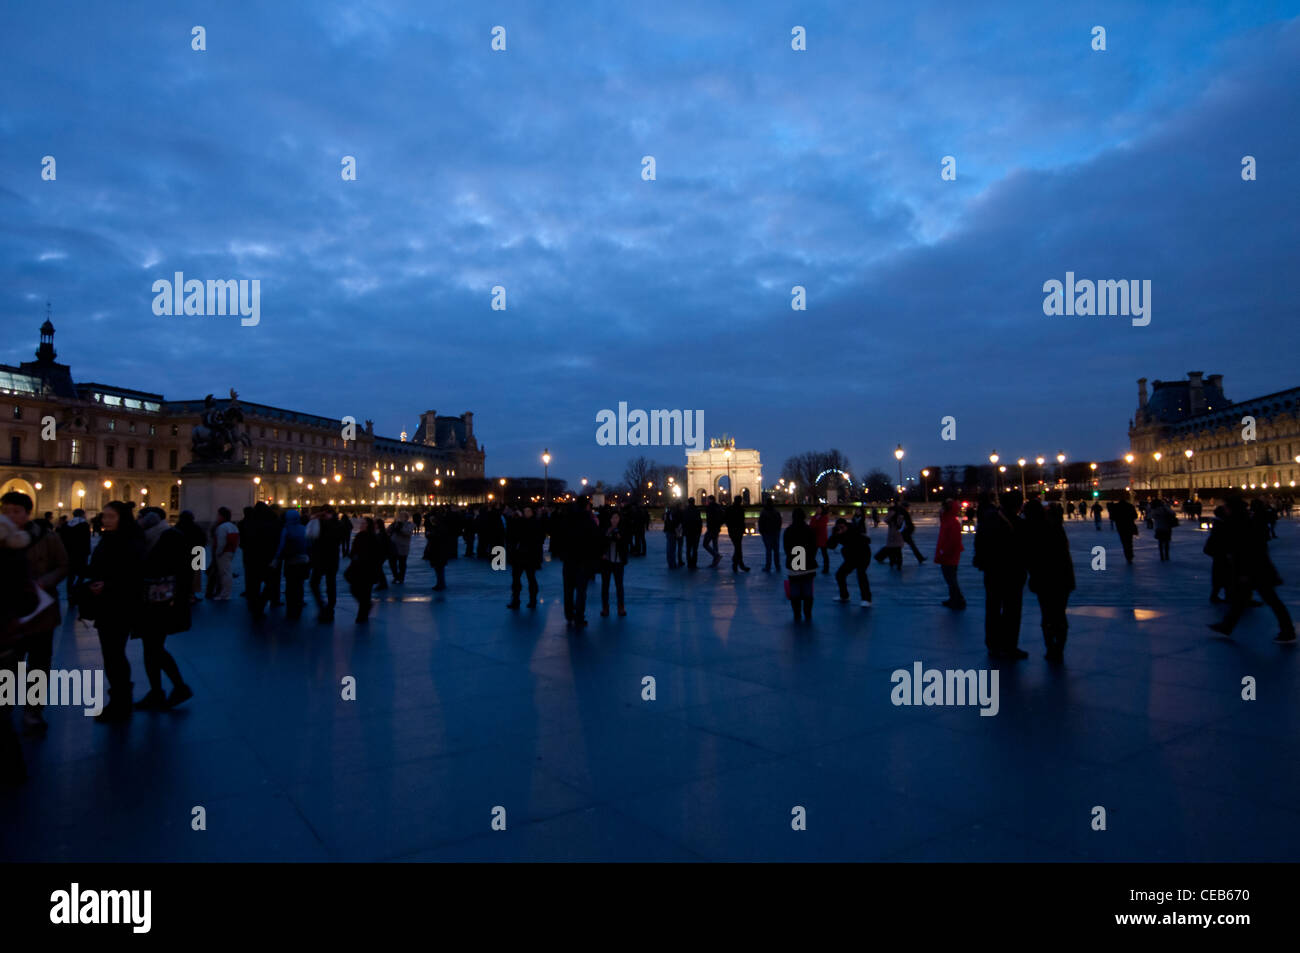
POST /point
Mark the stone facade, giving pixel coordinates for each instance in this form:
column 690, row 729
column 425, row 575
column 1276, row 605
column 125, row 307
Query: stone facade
column 706, row 471
column 1194, row 414
column 116, row 443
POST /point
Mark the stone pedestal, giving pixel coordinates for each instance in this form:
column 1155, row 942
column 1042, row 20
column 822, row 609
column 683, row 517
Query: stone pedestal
column 206, row 487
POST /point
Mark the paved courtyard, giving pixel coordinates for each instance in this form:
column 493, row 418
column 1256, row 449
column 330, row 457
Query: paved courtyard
column 463, row 706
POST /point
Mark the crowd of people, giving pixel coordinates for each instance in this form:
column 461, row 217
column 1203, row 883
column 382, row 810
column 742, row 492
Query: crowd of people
column 138, row 577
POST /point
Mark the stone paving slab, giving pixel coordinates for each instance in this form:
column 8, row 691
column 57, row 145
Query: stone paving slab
column 463, row 706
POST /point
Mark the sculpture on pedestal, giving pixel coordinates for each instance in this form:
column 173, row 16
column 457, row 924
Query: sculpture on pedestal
column 220, row 433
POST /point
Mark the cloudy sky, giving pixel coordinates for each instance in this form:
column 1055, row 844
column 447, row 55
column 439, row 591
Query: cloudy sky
column 775, row 168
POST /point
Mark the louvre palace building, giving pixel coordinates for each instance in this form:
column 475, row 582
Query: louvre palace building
column 1228, row 451
column 72, row 444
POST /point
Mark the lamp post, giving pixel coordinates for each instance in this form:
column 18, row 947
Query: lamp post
column 1157, row 456
column 925, row 480
column 546, row 476
column 1188, row 454
column 1023, row 492
column 731, row 491
column 898, row 455
column 993, row 460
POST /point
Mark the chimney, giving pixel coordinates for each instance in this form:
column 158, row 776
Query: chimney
column 1142, row 394
column 469, row 425
column 1196, row 392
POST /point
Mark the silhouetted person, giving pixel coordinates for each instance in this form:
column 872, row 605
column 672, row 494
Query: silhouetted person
column 112, row 598
column 736, row 533
column 613, row 560
column 947, row 553
column 165, row 610
column 1164, row 519
column 1216, row 547
column 1000, row 555
column 579, row 551
column 800, row 544
column 692, row 525
column 820, row 525
column 893, row 548
column 364, row 566
column 47, row 565
column 909, row 528
column 327, row 543
column 20, row 601
column 440, row 544
column 399, row 536
column 524, row 540
column 1124, row 515
column 673, row 529
column 1250, row 568
column 1051, row 572
column 856, row 550
column 75, row 536
column 769, row 528
column 294, row 558
column 1096, row 518
column 713, row 520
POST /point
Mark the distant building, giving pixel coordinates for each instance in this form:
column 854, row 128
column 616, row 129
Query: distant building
column 1194, row 415
column 113, row 442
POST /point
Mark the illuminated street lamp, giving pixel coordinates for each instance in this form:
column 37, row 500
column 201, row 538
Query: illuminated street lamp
column 1188, row 454
column 925, row 481
column 898, row 455
column 993, row 459
column 1023, row 492
column 546, row 476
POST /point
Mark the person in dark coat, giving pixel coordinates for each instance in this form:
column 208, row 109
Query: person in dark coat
column 736, row 533
column 258, row 540
column 1163, row 520
column 713, row 520
column 441, row 533
column 293, row 556
column 1051, row 572
column 195, row 539
column 856, row 549
column 1125, row 516
column 769, row 528
column 327, row 546
column 1216, row 547
column 909, row 529
column 524, row 540
column 75, row 535
column 1250, row 568
column 613, row 560
column 20, row 601
column 579, row 539
column 1000, row 555
column 692, row 526
column 166, row 608
column 673, row 532
column 114, row 590
column 364, row 567
column 800, row 542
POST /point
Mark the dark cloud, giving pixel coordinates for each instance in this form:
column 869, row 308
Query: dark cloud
column 774, row 169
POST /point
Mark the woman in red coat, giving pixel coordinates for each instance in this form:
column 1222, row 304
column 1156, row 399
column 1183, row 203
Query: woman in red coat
column 948, row 552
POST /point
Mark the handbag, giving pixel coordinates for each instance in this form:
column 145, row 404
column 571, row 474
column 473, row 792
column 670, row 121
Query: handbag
column 160, row 591
column 87, row 601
